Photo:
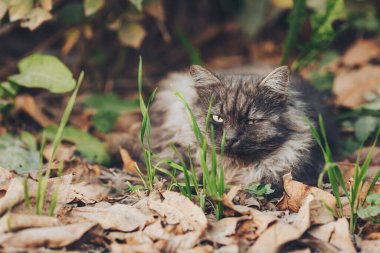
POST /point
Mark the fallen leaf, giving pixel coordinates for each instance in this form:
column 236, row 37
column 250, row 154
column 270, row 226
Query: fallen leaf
column 228, row 249
column 117, row 217
column 275, row 237
column 361, row 52
column 18, row 9
column 27, row 104
column 296, row 192
column 14, row 222
column 200, row 249
column 368, row 246
column 351, row 86
column 341, row 238
column 92, row 6
column 63, row 153
column 224, row 230
column 35, row 18
column 71, row 38
column 132, row 34
column 177, row 209
column 51, row 237
column 88, row 193
column 129, row 165
column 46, row 4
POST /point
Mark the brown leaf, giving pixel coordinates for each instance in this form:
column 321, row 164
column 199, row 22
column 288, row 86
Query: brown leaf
column 350, row 87
column 224, row 230
column 14, row 222
column 275, row 237
column 341, row 238
column 27, row 104
column 177, row 209
column 368, row 246
column 296, row 192
column 87, row 193
column 132, row 34
column 361, row 52
column 117, row 217
column 71, row 38
column 129, row 165
column 199, row 249
column 63, row 153
column 51, row 237
column 35, row 18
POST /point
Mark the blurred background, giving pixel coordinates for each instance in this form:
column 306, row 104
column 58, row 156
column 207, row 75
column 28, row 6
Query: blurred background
column 332, row 43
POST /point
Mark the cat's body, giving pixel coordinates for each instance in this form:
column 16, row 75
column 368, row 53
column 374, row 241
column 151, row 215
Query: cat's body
column 263, row 116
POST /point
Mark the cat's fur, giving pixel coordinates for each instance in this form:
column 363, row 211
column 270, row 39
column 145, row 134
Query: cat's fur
column 263, row 116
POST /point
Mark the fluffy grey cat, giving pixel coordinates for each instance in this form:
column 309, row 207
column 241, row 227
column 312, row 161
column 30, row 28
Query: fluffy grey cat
column 263, row 116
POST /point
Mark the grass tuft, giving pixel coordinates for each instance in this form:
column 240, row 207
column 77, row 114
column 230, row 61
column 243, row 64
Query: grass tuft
column 336, row 179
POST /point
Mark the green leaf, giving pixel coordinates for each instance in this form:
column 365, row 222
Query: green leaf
column 296, row 18
column 104, row 121
column 92, row 6
column 259, row 190
column 137, row 4
column 88, row 146
column 110, row 103
column 44, row 71
column 372, row 106
column 368, row 212
column 364, row 126
column 18, row 155
column 373, row 198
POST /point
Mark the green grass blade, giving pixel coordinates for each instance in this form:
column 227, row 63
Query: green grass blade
column 26, row 192
column 58, row 139
column 296, row 18
column 55, row 194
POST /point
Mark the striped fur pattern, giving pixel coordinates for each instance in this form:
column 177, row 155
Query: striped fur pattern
column 263, row 116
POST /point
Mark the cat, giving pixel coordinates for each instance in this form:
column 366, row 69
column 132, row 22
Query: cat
column 263, row 116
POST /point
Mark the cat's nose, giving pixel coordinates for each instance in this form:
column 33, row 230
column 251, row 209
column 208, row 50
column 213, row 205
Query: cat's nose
column 232, row 142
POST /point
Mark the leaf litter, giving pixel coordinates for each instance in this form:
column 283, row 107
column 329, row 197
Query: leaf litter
column 165, row 221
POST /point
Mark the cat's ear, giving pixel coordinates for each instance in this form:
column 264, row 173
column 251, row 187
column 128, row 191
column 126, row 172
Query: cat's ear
column 278, row 80
column 202, row 77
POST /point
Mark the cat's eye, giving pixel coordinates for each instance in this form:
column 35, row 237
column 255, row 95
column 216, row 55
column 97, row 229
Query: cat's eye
column 217, row 118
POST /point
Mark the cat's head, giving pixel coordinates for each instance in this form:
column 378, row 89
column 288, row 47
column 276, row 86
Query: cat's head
column 249, row 108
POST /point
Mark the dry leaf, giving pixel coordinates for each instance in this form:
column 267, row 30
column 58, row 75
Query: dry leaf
column 129, row 165
column 64, row 152
column 35, row 18
column 341, row 238
column 117, row 217
column 361, row 52
column 51, row 237
column 27, row 104
column 368, row 246
column 199, row 249
column 350, row 87
column 71, row 38
column 296, row 192
column 15, row 193
column 3, row 9
column 275, row 237
column 177, row 209
column 228, row 249
column 14, row 222
column 46, row 4
column 5, row 178
column 132, row 34
column 224, row 230
column 88, row 193
column 18, row 9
